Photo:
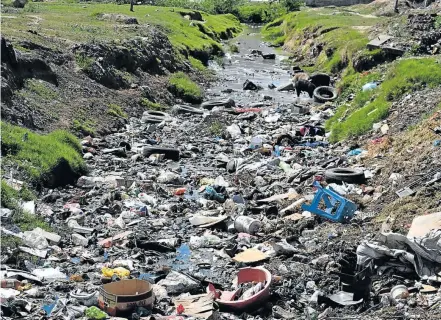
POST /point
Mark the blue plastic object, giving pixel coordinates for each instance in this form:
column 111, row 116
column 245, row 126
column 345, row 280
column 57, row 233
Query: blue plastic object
column 330, row 205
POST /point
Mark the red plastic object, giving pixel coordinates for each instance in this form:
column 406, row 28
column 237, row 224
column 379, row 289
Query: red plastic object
column 258, row 274
column 180, row 309
column 248, row 110
column 180, row 191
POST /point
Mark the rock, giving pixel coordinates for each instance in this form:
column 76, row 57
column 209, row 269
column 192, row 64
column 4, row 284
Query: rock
column 269, row 56
column 79, row 240
column 118, row 18
column 286, row 87
column 19, row 3
column 321, row 261
column 249, row 85
column 88, row 156
column 192, row 15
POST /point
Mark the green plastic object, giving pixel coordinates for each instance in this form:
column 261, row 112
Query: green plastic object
column 95, row 314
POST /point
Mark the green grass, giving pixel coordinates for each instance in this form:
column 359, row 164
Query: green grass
column 216, row 128
column 39, row 154
column 70, row 22
column 10, row 199
column 117, row 111
column 151, row 105
column 41, row 88
column 259, row 12
column 370, row 107
column 185, row 88
column 197, row 64
column 83, row 61
column 341, row 33
column 233, row 48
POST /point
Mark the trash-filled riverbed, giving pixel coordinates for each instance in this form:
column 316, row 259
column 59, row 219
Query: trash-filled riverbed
column 236, row 209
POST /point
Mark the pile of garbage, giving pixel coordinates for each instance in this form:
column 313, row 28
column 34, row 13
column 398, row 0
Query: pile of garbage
column 226, row 211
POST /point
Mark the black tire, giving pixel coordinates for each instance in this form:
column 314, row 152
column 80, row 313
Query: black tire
column 152, row 119
column 156, row 113
column 345, row 174
column 218, row 103
column 186, row 109
column 169, row 153
column 324, row 94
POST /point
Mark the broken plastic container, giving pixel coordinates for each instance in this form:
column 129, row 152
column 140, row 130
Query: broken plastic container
column 245, row 275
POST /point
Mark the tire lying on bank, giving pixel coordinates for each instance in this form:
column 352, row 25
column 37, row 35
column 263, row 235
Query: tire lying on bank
column 345, row 175
column 324, row 94
column 169, row 153
column 155, row 117
column 218, row 103
column 156, row 113
column 177, row 109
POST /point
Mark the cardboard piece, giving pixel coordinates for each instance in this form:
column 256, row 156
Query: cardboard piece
column 277, row 197
column 199, row 306
column 125, row 295
column 428, row 289
column 422, row 225
column 108, row 241
column 250, row 256
column 293, row 217
column 204, row 221
column 34, row 252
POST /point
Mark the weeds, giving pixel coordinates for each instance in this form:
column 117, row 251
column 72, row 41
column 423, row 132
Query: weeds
column 216, row 128
column 84, row 126
column 117, row 111
column 37, row 155
column 185, row 88
column 151, row 105
column 84, row 62
column 372, row 106
column 41, row 88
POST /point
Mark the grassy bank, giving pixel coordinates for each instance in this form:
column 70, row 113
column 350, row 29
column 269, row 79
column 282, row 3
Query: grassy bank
column 57, row 24
column 259, row 12
column 39, row 157
column 371, row 106
column 332, row 37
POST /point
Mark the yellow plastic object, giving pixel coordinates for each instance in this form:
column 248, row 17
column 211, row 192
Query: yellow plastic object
column 120, row 272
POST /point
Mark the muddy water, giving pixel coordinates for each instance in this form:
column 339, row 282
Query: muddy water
column 262, row 72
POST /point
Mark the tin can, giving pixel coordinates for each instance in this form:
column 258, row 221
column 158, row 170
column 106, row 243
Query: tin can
column 247, row 224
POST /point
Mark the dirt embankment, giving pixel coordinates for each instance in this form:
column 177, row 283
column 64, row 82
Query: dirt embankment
column 91, row 73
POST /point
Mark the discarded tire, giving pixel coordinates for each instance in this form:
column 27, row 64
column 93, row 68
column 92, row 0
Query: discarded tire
column 320, row 79
column 156, row 113
column 345, row 174
column 218, row 103
column 324, row 94
column 152, row 119
column 169, row 153
column 186, row 109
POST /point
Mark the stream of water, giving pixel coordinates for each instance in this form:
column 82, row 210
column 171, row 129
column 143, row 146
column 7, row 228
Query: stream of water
column 263, row 72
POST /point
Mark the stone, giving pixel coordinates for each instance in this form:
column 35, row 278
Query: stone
column 19, row 3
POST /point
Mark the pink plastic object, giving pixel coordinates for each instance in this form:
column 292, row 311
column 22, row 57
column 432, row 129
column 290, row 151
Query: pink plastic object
column 258, row 274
